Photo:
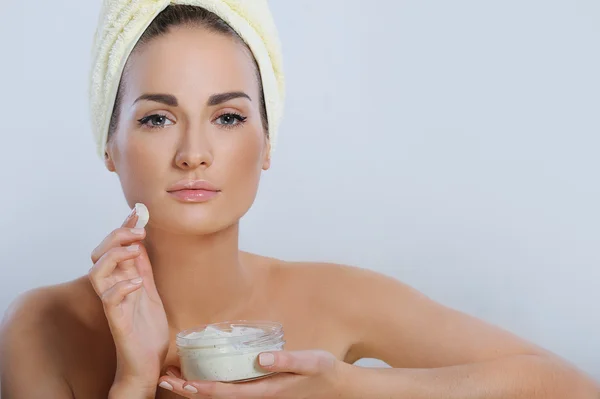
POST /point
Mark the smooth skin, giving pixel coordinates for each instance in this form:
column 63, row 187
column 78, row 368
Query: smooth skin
column 111, row 333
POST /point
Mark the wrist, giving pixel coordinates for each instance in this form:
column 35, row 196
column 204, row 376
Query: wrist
column 350, row 381
column 358, row 382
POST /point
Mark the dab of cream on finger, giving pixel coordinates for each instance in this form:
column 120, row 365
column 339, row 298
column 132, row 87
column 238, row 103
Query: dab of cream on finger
column 143, row 215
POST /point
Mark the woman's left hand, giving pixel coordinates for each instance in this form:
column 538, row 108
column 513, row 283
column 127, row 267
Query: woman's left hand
column 311, row 374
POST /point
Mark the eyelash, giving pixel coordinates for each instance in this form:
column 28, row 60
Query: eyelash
column 143, row 121
column 239, row 118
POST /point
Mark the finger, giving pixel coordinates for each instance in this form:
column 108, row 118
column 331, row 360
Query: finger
column 115, row 237
column 119, row 237
column 213, row 389
column 173, row 371
column 115, row 294
column 308, row 362
column 131, row 219
column 144, row 269
column 178, row 386
column 267, row 387
column 105, row 266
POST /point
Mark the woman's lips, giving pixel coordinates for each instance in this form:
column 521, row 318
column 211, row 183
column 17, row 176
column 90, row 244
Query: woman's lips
column 188, row 190
column 194, row 195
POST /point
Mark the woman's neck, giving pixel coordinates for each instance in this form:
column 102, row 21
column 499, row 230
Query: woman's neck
column 200, row 278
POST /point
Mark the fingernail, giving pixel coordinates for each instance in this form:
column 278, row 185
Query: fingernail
column 166, row 385
column 172, row 374
column 133, row 248
column 131, row 214
column 266, row 359
column 136, row 281
column 190, row 388
column 138, row 231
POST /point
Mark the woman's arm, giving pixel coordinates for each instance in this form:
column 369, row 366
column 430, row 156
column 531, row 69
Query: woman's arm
column 28, row 366
column 438, row 352
column 32, row 363
column 513, row 377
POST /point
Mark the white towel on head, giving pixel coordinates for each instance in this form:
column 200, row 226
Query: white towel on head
column 122, row 23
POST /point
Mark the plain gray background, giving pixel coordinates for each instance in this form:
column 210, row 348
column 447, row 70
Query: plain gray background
column 453, row 145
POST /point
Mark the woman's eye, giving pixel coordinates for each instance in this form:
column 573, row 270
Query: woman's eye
column 230, row 119
column 156, row 120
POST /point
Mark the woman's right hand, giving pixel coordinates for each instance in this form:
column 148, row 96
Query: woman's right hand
column 122, row 278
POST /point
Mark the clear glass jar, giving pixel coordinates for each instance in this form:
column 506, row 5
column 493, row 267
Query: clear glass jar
column 227, row 351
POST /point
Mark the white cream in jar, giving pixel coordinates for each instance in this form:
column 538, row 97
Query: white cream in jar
column 228, row 351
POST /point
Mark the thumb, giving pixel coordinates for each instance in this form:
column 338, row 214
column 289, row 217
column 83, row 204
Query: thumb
column 309, row 362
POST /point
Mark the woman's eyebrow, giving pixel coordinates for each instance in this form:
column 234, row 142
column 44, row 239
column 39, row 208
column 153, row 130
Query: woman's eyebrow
column 217, row 99
column 166, row 99
column 171, row 100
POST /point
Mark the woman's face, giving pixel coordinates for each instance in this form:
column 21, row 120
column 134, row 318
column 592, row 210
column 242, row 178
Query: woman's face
column 178, row 121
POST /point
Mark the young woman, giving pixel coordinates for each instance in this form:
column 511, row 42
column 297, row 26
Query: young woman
column 189, row 133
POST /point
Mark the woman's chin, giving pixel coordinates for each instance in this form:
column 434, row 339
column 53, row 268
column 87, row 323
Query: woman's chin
column 198, row 226
column 194, row 220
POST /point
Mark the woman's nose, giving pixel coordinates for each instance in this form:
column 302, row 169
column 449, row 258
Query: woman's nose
column 194, row 152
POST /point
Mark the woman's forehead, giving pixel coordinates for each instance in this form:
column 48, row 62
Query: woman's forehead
column 192, row 58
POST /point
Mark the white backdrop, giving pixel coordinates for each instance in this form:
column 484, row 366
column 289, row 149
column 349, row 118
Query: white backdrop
column 453, row 145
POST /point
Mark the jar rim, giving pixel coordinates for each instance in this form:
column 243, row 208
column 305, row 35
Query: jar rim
column 269, row 331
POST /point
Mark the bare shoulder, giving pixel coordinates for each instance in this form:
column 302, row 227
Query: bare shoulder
column 352, row 299
column 28, row 340
column 53, row 311
column 45, row 328
column 343, row 286
column 387, row 319
column 323, row 278
column 36, row 316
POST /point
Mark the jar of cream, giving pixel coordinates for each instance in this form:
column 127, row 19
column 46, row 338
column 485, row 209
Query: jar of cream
column 228, row 351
